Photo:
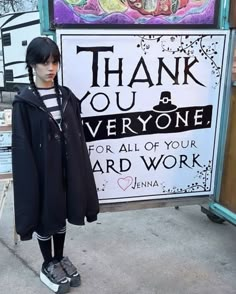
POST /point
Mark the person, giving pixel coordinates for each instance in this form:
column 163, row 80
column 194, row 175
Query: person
column 52, row 175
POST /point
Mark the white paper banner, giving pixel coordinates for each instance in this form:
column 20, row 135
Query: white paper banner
column 151, row 106
column 5, row 153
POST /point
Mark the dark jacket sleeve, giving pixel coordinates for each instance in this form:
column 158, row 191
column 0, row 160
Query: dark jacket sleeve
column 93, row 202
column 92, row 196
column 25, row 175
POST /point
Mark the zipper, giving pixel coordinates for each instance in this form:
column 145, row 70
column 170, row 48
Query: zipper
column 64, row 108
column 40, row 130
column 58, row 125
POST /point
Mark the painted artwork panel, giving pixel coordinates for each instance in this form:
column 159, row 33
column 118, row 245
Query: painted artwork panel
column 151, row 108
column 135, row 12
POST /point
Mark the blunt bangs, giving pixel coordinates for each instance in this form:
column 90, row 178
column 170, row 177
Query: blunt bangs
column 40, row 49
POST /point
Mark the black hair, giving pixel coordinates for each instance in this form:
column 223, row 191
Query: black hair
column 38, row 51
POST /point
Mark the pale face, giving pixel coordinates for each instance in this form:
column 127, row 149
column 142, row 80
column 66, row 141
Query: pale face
column 45, row 73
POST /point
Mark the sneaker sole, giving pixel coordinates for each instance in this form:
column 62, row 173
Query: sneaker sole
column 59, row 289
column 74, row 282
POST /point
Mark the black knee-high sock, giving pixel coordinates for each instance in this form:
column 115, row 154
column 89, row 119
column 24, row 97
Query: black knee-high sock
column 46, row 250
column 59, row 241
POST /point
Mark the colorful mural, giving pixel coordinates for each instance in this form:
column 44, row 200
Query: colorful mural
column 144, row 12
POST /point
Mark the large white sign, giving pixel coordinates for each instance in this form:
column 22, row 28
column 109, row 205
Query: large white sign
column 151, row 105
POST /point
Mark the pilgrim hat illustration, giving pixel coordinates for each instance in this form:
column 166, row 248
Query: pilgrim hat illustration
column 165, row 104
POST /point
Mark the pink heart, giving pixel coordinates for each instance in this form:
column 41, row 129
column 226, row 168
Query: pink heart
column 124, row 183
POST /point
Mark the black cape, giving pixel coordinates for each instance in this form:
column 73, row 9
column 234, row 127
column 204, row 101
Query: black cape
column 52, row 174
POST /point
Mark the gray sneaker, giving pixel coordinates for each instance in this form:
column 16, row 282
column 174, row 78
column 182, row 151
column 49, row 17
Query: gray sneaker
column 54, row 277
column 71, row 272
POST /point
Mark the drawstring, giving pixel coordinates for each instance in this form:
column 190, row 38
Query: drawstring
column 63, row 145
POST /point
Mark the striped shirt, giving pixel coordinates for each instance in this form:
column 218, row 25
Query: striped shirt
column 48, row 95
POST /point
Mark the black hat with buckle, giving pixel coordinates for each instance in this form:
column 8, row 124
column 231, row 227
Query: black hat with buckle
column 165, row 104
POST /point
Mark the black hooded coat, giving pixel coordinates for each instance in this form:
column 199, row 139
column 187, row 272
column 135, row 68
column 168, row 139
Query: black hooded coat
column 52, row 174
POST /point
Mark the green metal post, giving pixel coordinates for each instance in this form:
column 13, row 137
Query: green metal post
column 223, row 212
column 224, row 120
column 44, row 18
column 224, row 24
column 215, row 206
column 224, row 14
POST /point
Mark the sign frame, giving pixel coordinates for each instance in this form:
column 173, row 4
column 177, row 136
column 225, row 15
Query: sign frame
column 85, row 32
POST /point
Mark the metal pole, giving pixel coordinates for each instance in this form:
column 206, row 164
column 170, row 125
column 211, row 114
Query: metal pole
column 224, row 119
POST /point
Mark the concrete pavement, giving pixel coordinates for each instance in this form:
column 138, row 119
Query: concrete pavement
column 152, row 251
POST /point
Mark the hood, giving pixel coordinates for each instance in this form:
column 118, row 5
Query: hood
column 27, row 95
